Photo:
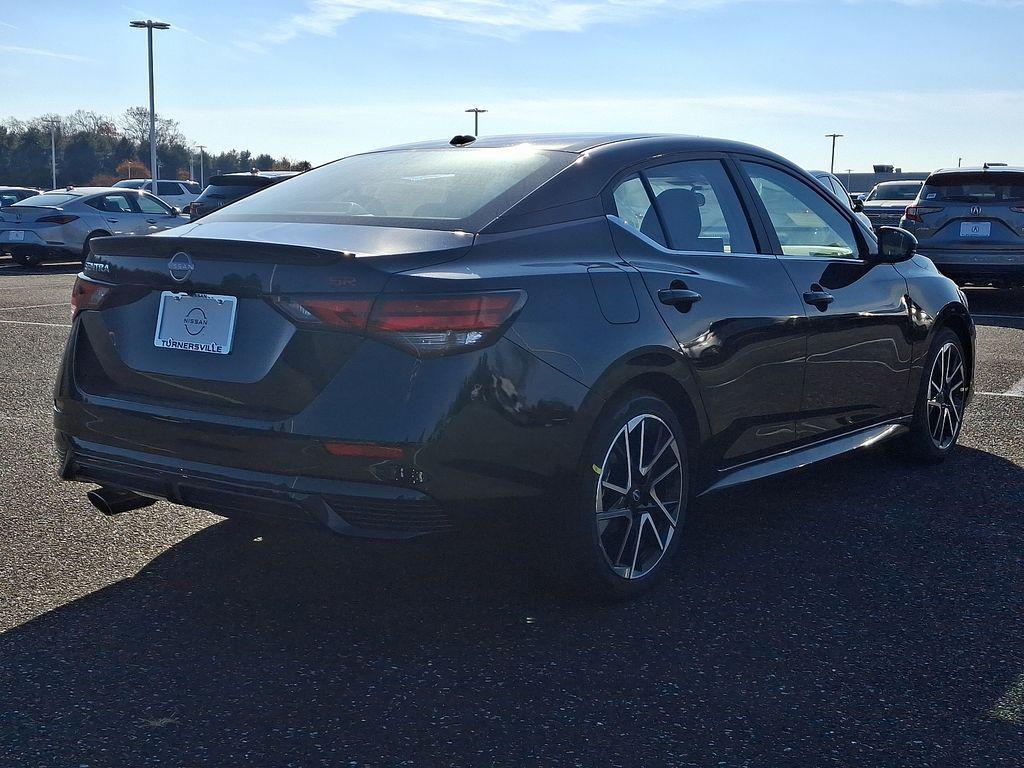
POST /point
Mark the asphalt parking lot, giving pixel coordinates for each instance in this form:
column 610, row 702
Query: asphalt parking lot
column 863, row 613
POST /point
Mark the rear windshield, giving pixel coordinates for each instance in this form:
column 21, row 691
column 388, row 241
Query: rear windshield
column 895, row 192
column 232, row 192
column 131, row 183
column 55, row 199
column 458, row 188
column 998, row 187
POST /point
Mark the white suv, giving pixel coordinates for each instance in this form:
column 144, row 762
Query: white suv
column 173, row 192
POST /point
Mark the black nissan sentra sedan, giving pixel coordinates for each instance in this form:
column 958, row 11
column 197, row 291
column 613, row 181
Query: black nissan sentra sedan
column 589, row 329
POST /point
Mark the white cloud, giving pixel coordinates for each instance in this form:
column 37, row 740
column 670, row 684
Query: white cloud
column 512, row 18
column 17, row 49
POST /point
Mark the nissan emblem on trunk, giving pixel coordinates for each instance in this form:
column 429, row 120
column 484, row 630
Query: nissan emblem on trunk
column 180, row 266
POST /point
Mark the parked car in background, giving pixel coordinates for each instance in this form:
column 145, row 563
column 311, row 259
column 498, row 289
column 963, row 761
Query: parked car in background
column 61, row 224
column 970, row 222
column 11, row 195
column 832, row 183
column 434, row 335
column 173, row 192
column 884, row 205
column 228, row 187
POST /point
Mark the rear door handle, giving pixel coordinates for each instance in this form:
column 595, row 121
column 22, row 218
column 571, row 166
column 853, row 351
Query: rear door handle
column 818, row 298
column 680, row 298
column 151, row 221
column 112, row 221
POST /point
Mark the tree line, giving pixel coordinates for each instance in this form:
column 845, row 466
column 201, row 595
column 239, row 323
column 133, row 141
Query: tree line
column 95, row 149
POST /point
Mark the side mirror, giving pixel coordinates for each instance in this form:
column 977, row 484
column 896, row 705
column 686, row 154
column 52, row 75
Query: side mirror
column 858, row 205
column 175, row 211
column 895, row 245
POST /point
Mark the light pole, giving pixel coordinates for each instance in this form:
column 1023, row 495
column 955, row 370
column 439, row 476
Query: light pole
column 129, row 169
column 149, row 25
column 201, row 148
column 833, row 136
column 476, row 119
column 53, row 150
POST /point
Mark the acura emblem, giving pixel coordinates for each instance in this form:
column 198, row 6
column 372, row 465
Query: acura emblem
column 975, row 210
column 180, row 266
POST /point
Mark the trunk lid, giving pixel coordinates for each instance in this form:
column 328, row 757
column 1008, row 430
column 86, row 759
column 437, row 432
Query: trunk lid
column 274, row 367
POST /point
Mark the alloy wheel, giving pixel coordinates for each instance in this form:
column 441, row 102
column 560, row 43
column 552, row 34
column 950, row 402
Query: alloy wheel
column 947, row 394
column 640, row 492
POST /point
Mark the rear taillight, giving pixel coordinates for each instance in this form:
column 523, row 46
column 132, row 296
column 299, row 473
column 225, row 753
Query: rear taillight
column 87, row 294
column 425, row 324
column 57, row 219
column 915, row 212
column 440, row 325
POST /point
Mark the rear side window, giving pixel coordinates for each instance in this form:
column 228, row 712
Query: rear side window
column 8, row 198
column 805, row 222
column 699, row 208
column 633, row 206
column 454, row 188
column 168, row 188
column 112, row 203
column 995, row 187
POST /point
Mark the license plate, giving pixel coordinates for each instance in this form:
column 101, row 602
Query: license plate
column 16, row 235
column 195, row 322
column 975, row 229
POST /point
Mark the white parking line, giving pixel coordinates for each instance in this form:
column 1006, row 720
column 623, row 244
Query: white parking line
column 38, row 306
column 26, row 322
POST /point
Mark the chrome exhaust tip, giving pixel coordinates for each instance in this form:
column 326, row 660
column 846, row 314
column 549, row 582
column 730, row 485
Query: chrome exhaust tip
column 114, row 501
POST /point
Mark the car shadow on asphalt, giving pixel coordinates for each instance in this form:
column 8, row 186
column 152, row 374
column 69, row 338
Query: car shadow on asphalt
column 9, row 268
column 856, row 609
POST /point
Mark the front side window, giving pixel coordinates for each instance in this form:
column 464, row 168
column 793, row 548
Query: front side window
column 149, row 204
column 699, row 208
column 805, row 222
column 633, row 206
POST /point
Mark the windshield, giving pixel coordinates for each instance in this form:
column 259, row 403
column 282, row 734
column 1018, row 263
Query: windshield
column 998, row 187
column 54, row 199
column 895, row 192
column 449, row 189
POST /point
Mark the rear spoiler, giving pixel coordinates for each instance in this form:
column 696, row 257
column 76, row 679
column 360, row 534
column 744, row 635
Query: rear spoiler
column 17, row 208
column 231, row 250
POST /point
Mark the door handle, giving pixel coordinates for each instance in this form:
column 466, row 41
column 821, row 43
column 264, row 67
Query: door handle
column 112, row 221
column 680, row 298
column 151, row 221
column 818, row 297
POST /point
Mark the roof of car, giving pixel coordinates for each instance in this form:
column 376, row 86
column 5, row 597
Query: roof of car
column 982, row 169
column 584, row 142
column 17, row 187
column 898, row 181
column 265, row 174
column 88, row 190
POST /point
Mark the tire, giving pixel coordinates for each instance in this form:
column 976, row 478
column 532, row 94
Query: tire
column 85, row 245
column 614, row 500
column 939, row 410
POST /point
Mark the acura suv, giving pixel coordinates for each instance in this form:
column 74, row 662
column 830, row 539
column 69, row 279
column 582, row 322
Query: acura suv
column 970, row 222
column 589, row 330
column 224, row 189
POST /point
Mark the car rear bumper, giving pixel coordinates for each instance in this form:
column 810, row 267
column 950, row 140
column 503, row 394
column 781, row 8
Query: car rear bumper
column 349, row 508
column 990, row 266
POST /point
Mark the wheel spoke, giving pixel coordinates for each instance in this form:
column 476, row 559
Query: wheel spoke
column 612, row 487
column 672, row 521
column 654, row 530
column 636, row 549
column 664, row 474
column 612, row 514
column 657, row 456
column 625, row 540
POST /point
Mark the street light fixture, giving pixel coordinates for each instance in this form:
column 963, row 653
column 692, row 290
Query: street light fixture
column 833, row 136
column 476, row 119
column 149, row 25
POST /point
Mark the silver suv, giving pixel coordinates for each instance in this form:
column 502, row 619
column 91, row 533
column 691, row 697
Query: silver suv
column 970, row 222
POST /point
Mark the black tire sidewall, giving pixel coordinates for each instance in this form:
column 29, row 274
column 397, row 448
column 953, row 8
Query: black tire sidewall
column 590, row 570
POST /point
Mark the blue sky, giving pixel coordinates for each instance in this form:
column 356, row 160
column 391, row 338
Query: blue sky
column 916, row 83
